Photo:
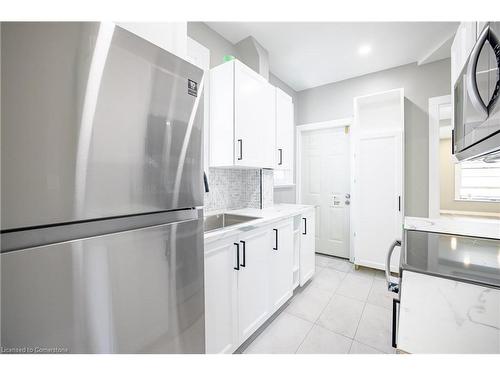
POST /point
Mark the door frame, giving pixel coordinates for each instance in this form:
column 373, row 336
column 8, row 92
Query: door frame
column 330, row 124
column 434, row 138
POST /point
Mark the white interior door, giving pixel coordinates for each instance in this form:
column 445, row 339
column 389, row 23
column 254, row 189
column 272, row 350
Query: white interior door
column 325, row 183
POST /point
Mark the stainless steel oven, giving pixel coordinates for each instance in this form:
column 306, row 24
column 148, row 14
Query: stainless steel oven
column 476, row 107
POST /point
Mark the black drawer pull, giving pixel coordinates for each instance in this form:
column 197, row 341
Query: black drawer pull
column 237, row 268
column 305, row 225
column 276, row 244
column 281, row 156
column 394, row 322
column 240, row 141
column 244, row 253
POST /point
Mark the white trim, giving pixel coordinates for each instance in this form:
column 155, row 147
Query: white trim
column 470, row 213
column 339, row 123
column 284, row 186
column 325, row 124
column 434, row 137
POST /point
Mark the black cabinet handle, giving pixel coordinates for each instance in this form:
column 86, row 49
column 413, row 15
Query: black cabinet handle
column 276, row 244
column 244, row 253
column 305, row 225
column 399, row 203
column 281, row 156
column 237, row 268
column 240, row 142
column 394, row 322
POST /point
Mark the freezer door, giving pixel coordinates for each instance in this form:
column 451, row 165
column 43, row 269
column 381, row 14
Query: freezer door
column 96, row 122
column 138, row 291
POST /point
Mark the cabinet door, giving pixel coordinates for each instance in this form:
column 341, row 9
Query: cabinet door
column 378, row 209
column 307, row 248
column 221, row 297
column 281, row 271
column 254, row 119
column 284, row 130
column 253, row 282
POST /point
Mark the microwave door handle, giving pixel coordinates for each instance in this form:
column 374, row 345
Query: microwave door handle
column 471, row 82
column 495, row 43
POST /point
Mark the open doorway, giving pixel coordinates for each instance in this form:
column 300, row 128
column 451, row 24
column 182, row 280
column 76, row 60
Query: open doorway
column 323, row 174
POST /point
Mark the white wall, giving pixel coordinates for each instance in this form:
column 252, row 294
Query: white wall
column 217, row 45
column 334, row 101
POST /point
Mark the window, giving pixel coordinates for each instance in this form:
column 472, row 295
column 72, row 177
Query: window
column 477, row 181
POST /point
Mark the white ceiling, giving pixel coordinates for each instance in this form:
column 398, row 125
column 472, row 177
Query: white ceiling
column 310, row 54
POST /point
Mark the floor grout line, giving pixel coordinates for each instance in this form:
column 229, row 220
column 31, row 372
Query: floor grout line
column 315, row 323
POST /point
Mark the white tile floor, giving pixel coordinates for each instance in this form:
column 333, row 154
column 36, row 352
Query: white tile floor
column 342, row 310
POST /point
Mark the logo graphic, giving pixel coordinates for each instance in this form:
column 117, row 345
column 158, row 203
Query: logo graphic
column 192, row 88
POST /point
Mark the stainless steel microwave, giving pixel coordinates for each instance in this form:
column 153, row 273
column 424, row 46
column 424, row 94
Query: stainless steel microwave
column 476, row 132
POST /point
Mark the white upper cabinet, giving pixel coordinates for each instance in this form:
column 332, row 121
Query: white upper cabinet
column 242, row 117
column 171, row 36
column 283, row 173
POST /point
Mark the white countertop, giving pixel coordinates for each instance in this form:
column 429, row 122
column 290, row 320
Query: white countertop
column 456, row 224
column 266, row 216
column 445, row 316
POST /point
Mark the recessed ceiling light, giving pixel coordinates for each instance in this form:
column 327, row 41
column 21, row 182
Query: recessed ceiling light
column 364, row 49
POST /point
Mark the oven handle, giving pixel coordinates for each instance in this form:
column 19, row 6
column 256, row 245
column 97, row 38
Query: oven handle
column 391, row 285
column 471, row 81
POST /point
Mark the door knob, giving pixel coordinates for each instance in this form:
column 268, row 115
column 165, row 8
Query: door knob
column 347, row 202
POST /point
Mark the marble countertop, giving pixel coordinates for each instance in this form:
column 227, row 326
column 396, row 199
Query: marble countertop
column 265, row 216
column 456, row 224
column 445, row 316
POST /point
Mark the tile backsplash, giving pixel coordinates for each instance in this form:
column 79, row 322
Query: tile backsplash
column 233, row 188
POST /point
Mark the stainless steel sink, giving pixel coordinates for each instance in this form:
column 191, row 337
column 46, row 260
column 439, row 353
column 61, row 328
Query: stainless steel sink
column 214, row 222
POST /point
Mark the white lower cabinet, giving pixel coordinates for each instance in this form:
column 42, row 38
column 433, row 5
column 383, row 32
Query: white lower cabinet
column 281, row 275
column 307, row 247
column 253, row 282
column 248, row 277
column 221, row 298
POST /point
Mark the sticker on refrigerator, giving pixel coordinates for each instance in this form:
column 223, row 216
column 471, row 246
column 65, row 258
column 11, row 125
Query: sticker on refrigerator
column 192, row 88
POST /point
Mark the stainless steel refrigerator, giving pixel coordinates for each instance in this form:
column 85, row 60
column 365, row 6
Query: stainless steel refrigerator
column 101, row 193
